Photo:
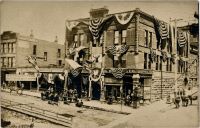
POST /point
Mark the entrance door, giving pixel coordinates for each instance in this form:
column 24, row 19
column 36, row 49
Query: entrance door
column 96, row 91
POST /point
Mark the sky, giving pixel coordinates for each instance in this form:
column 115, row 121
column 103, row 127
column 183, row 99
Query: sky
column 47, row 18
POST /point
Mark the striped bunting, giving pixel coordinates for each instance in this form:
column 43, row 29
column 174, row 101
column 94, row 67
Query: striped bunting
column 75, row 72
column 71, row 24
column 124, row 18
column 95, row 26
column 181, row 39
column 120, row 49
column 118, row 72
column 163, row 30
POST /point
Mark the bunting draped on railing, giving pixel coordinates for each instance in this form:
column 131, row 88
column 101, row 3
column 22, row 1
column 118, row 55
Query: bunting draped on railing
column 96, row 74
column 96, row 25
column 164, row 56
column 173, row 56
column 124, row 18
column 118, row 72
column 153, row 55
column 118, row 50
column 181, row 39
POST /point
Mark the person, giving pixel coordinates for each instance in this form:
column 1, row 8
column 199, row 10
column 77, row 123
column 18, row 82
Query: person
column 79, row 103
column 135, row 97
column 177, row 97
column 190, row 95
column 128, row 98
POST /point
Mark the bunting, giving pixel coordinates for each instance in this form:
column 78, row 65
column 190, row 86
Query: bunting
column 118, row 50
column 181, row 39
column 96, row 74
column 75, row 72
column 118, row 72
column 96, row 25
column 124, row 18
column 164, row 56
column 32, row 60
column 161, row 29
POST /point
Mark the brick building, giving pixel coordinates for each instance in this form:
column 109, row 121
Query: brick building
column 16, row 48
column 125, row 50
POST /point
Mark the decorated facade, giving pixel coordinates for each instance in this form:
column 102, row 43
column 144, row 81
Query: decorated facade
column 120, row 51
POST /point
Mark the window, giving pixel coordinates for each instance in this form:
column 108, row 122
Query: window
column 167, row 66
column 160, row 63
column 146, row 38
column 11, row 63
column 9, row 47
column 145, row 60
column 123, row 61
column 34, row 49
column 116, row 38
column 81, row 39
column 3, row 61
column 115, row 62
column 149, row 62
column 124, row 35
column 59, row 62
column 45, row 56
column 5, row 48
column 170, row 66
column 150, row 39
column 157, row 62
column 13, row 46
column 59, row 53
column 75, row 41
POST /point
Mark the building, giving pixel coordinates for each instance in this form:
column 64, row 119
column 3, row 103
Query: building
column 125, row 50
column 193, row 63
column 16, row 50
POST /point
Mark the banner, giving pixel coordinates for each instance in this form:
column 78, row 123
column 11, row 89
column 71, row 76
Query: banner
column 124, row 18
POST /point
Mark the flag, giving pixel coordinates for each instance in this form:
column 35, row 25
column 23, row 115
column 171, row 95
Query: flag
column 71, row 24
column 74, row 67
column 32, row 60
column 181, row 39
column 124, row 18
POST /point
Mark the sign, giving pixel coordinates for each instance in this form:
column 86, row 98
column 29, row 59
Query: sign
column 16, row 77
column 147, row 92
column 136, row 71
column 9, row 41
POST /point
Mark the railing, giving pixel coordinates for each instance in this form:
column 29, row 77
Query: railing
column 28, row 109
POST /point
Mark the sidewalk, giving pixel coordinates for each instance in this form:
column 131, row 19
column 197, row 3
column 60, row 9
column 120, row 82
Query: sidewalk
column 93, row 104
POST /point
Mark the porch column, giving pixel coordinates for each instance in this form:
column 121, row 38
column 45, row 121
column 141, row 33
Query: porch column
column 90, row 88
column 102, row 89
column 65, row 82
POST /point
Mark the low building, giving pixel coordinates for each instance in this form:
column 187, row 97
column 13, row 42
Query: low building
column 126, row 50
column 16, row 50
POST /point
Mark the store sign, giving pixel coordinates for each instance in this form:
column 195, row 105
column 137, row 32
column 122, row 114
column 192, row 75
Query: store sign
column 147, row 92
column 15, row 77
column 140, row 71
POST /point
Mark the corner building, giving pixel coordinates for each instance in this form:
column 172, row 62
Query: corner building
column 126, row 49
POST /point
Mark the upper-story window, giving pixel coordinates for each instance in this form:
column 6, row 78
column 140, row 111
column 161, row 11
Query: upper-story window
column 45, row 56
column 150, row 39
column 116, row 38
column 75, row 40
column 34, row 49
column 157, row 62
column 81, row 38
column 145, row 60
column 146, row 38
column 124, row 36
column 59, row 53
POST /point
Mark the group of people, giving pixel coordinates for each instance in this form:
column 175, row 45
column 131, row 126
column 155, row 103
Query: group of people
column 182, row 95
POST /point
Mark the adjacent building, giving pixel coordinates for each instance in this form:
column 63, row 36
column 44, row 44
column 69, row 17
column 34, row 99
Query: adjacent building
column 17, row 49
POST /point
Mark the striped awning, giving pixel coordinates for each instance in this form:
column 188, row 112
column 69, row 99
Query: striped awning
column 181, row 39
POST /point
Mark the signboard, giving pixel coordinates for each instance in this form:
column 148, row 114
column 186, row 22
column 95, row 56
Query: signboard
column 16, row 77
column 147, row 92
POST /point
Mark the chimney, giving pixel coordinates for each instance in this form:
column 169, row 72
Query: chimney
column 56, row 39
column 99, row 12
column 31, row 35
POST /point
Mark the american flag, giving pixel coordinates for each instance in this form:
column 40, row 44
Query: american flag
column 181, row 39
